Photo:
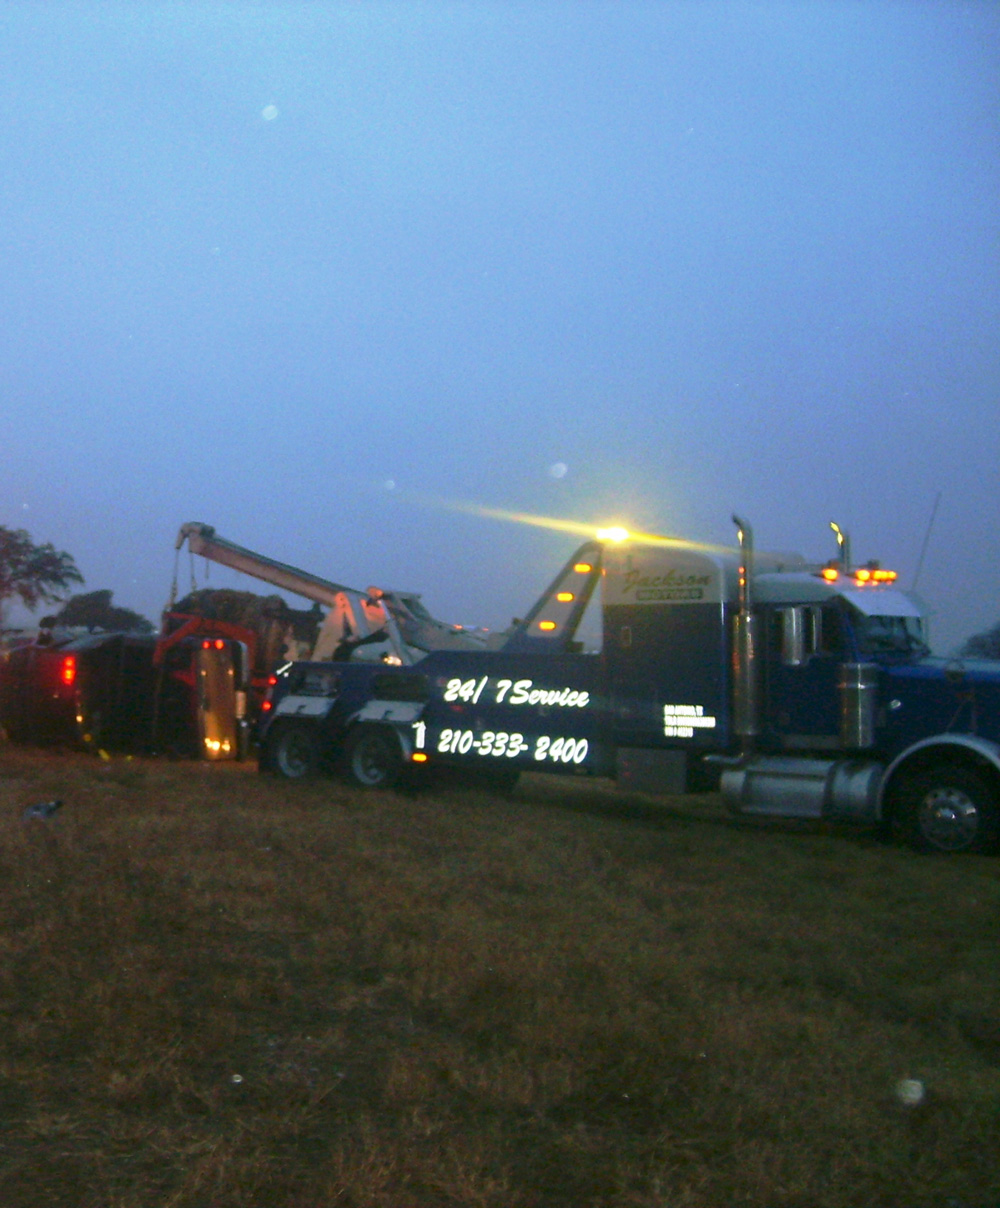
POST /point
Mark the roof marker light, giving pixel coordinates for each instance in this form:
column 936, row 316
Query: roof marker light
column 874, row 574
column 565, row 597
column 548, row 626
column 583, row 568
column 830, row 574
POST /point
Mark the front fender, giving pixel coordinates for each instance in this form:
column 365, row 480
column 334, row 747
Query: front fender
column 980, row 749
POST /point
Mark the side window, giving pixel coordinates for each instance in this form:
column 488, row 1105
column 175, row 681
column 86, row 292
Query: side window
column 830, row 631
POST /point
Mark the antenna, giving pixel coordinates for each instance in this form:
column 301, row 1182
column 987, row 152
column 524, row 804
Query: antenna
column 927, row 537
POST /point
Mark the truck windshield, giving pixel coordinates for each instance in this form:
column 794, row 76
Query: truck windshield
column 891, row 635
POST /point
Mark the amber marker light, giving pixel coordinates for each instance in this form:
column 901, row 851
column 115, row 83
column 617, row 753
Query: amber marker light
column 874, row 574
column 565, row 597
column 830, row 574
column 547, row 625
column 418, row 757
column 583, row 568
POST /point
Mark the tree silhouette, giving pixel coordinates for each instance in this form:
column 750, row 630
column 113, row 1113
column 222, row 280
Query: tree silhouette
column 984, row 645
column 94, row 610
column 33, row 573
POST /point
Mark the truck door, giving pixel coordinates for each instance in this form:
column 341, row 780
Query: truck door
column 805, row 646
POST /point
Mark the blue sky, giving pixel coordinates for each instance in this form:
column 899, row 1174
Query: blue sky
column 262, row 261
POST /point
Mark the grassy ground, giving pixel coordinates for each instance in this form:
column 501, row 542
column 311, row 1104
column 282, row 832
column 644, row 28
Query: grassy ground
column 219, row 989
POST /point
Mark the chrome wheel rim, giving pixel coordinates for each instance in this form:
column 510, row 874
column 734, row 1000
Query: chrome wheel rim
column 948, row 818
column 294, row 755
column 370, row 761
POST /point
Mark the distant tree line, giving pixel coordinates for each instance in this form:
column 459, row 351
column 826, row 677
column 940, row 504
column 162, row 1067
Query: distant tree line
column 42, row 574
column 94, row 610
column 984, row 645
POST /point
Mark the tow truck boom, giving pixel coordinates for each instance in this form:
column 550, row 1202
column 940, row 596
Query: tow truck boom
column 203, row 540
column 354, row 616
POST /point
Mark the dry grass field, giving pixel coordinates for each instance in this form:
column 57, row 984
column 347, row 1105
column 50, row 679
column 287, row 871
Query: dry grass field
column 218, row 989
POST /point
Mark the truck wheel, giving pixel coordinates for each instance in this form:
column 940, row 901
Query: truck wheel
column 948, row 810
column 372, row 758
column 293, row 752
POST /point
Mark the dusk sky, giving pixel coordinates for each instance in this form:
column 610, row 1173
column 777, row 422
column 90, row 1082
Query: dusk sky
column 309, row 272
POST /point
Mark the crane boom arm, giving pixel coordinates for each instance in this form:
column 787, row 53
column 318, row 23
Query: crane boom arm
column 202, row 540
column 352, row 612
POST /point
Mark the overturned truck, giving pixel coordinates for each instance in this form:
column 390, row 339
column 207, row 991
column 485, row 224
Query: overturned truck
column 127, row 692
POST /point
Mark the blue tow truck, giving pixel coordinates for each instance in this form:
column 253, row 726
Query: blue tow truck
column 798, row 689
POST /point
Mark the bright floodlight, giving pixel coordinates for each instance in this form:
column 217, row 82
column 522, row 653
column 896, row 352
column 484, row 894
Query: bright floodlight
column 615, row 533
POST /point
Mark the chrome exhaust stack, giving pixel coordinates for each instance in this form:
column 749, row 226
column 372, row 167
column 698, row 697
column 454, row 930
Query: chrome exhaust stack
column 797, row 787
column 746, row 722
column 844, row 546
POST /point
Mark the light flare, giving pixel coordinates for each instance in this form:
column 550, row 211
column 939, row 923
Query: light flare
column 577, row 528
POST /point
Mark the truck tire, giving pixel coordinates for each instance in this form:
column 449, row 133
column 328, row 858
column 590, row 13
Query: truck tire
column 372, row 758
column 292, row 751
column 948, row 809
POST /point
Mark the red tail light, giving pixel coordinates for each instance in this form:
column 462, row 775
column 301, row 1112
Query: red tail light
column 266, row 707
column 67, row 672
